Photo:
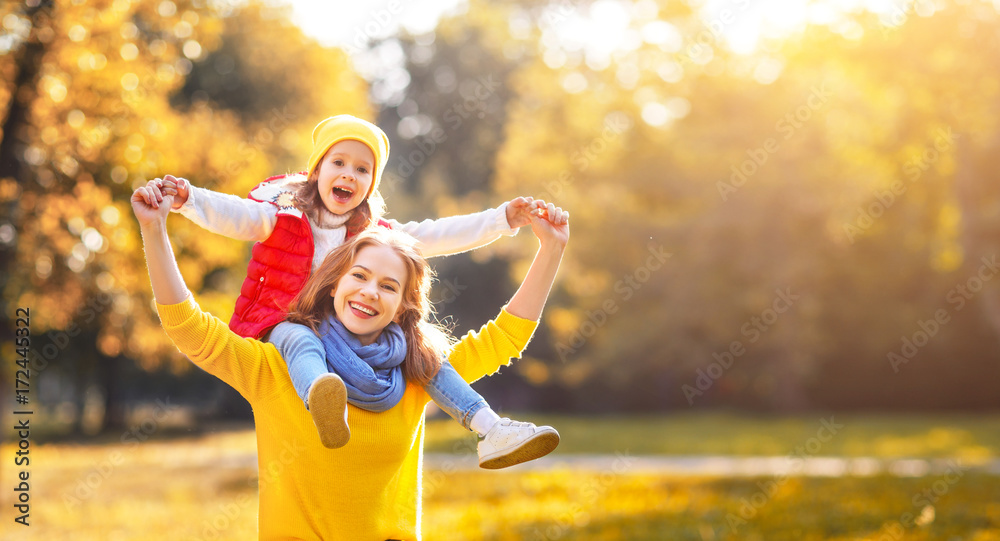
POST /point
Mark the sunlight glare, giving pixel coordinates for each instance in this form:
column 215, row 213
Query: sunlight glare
column 743, row 22
column 598, row 33
column 354, row 25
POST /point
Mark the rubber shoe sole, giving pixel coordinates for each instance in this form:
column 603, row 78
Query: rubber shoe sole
column 328, row 407
column 537, row 446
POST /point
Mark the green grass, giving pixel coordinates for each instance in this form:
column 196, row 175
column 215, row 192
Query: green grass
column 968, row 437
column 204, row 488
column 604, row 506
column 107, row 489
column 972, row 437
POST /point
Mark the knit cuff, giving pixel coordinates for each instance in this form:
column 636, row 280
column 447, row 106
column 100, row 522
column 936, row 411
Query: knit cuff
column 502, row 225
column 517, row 328
column 175, row 314
column 189, row 204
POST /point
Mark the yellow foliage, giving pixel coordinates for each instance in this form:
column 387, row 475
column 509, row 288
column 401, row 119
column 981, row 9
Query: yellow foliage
column 106, row 119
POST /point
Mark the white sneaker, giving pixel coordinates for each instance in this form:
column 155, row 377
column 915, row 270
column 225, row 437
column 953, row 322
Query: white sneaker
column 513, row 442
column 328, row 407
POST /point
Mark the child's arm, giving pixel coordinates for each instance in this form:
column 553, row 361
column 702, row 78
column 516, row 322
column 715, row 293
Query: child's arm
column 206, row 340
column 224, row 214
column 456, row 234
column 482, row 353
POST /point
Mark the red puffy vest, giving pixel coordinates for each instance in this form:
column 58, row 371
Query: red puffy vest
column 279, row 265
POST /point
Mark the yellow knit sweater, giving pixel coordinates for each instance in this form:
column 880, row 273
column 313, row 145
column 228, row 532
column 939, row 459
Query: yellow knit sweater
column 367, row 490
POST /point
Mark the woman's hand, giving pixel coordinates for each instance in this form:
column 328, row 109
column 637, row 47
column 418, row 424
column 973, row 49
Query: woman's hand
column 550, row 224
column 180, row 188
column 151, row 209
column 147, row 208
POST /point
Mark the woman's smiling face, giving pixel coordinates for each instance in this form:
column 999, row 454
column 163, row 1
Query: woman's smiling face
column 369, row 295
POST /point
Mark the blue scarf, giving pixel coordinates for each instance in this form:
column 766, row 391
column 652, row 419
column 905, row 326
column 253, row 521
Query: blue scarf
column 373, row 374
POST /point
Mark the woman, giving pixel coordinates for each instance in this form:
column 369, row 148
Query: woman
column 370, row 488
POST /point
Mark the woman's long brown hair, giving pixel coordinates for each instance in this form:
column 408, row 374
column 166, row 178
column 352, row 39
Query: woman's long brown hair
column 426, row 342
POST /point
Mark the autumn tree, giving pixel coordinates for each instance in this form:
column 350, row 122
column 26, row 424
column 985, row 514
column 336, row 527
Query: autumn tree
column 749, row 171
column 101, row 97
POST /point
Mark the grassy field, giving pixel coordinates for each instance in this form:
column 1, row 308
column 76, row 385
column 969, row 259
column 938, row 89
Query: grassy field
column 970, row 437
column 204, row 487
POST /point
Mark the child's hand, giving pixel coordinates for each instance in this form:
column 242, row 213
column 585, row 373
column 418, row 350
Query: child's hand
column 550, row 224
column 519, row 211
column 170, row 185
column 146, row 207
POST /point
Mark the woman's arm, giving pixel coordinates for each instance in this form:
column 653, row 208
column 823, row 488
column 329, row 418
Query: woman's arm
column 551, row 226
column 168, row 285
column 246, row 365
column 482, row 353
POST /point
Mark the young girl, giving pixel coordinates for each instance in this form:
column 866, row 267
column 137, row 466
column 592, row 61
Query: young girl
column 370, row 489
column 298, row 219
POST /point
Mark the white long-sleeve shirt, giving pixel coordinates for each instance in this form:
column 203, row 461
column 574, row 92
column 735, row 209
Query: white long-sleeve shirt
column 246, row 219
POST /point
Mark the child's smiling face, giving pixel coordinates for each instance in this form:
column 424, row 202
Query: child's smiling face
column 345, row 175
column 369, row 295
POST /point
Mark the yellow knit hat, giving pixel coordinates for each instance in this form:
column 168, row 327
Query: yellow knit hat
column 338, row 128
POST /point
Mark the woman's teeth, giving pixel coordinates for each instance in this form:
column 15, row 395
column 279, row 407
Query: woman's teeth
column 360, row 308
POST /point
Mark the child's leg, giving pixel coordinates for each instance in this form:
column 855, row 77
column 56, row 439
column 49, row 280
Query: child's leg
column 457, row 398
column 503, row 442
column 322, row 391
column 303, row 353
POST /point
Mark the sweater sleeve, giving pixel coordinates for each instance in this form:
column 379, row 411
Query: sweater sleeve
column 228, row 215
column 482, row 353
column 245, row 364
column 456, row 234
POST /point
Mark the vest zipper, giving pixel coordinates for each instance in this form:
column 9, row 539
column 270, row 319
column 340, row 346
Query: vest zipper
column 256, row 297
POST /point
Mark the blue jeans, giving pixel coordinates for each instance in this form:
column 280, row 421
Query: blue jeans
column 306, row 359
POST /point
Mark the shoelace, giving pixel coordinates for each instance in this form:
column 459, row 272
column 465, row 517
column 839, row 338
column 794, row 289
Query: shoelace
column 514, row 424
column 504, row 423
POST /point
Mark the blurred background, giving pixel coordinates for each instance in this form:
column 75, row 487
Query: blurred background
column 781, row 211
